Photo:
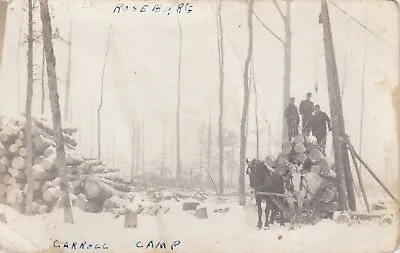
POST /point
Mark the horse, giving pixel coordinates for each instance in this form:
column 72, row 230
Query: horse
column 263, row 180
column 306, row 187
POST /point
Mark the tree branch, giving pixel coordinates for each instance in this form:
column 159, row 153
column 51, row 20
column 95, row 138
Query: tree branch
column 279, row 9
column 268, row 29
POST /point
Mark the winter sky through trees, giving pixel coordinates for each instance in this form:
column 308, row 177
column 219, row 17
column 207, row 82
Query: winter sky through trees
column 142, row 66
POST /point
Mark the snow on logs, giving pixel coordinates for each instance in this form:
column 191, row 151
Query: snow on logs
column 91, row 182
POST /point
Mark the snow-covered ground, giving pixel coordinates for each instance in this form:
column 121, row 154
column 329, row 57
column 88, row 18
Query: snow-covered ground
column 232, row 232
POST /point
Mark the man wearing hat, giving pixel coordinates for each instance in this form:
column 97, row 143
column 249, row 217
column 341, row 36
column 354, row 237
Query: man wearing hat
column 306, row 109
column 292, row 118
column 318, row 125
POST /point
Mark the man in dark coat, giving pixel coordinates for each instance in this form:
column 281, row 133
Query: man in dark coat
column 306, row 109
column 318, row 125
column 292, row 118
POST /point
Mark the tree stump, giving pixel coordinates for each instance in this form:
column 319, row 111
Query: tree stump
column 201, row 213
column 190, row 206
column 130, row 219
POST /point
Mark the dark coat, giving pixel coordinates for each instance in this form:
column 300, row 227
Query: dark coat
column 306, row 108
column 319, row 122
column 291, row 113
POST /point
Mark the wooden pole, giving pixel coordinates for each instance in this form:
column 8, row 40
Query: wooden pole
column 359, row 178
column 373, row 174
column 335, row 105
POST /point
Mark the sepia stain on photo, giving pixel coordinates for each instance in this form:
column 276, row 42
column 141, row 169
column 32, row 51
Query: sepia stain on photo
column 242, row 126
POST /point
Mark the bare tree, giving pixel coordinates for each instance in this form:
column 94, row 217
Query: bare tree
column 3, row 19
column 28, row 112
column 138, row 140
column 133, row 143
column 243, row 123
column 68, row 80
column 209, row 143
column 255, row 109
column 221, row 98
column 143, row 153
column 55, row 108
column 178, row 106
column 101, row 98
column 42, row 84
column 287, row 46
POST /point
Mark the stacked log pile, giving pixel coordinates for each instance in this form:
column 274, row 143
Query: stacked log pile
column 302, row 154
column 91, row 182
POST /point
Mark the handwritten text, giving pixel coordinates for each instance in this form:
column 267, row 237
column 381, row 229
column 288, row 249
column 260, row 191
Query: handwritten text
column 182, row 8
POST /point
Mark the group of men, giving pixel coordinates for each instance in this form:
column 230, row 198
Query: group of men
column 313, row 120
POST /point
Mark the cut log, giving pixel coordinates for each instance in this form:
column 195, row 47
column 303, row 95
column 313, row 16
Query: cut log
column 4, row 161
column 46, row 185
column 17, row 186
column 47, row 196
column 86, row 205
column 3, row 189
column 6, row 179
column 92, row 189
column 98, row 169
column 38, row 160
column 130, row 219
column 68, row 139
column 73, row 160
column 18, row 163
column 23, row 152
column 39, row 173
column 99, row 191
column 49, row 151
column 3, row 150
column 115, row 185
column 49, row 163
column 40, row 144
column 55, row 191
column 37, row 185
column 19, row 143
column 17, row 174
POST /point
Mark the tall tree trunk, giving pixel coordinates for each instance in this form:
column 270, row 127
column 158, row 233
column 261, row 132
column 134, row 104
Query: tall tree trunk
column 28, row 112
column 138, row 148
column 363, row 93
column 178, row 107
column 287, row 62
column 68, row 80
column 3, row 20
column 342, row 165
column 101, row 99
column 243, row 123
column 255, row 109
column 221, row 99
column 55, row 108
column 143, row 154
column 133, row 145
column 209, row 142
column 42, row 84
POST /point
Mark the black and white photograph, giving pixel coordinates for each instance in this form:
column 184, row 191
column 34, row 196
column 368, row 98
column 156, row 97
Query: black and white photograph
column 226, row 126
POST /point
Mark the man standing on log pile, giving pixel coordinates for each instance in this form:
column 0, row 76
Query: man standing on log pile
column 306, row 109
column 318, row 125
column 292, row 118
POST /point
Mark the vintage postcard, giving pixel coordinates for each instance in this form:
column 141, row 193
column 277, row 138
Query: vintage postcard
column 244, row 126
